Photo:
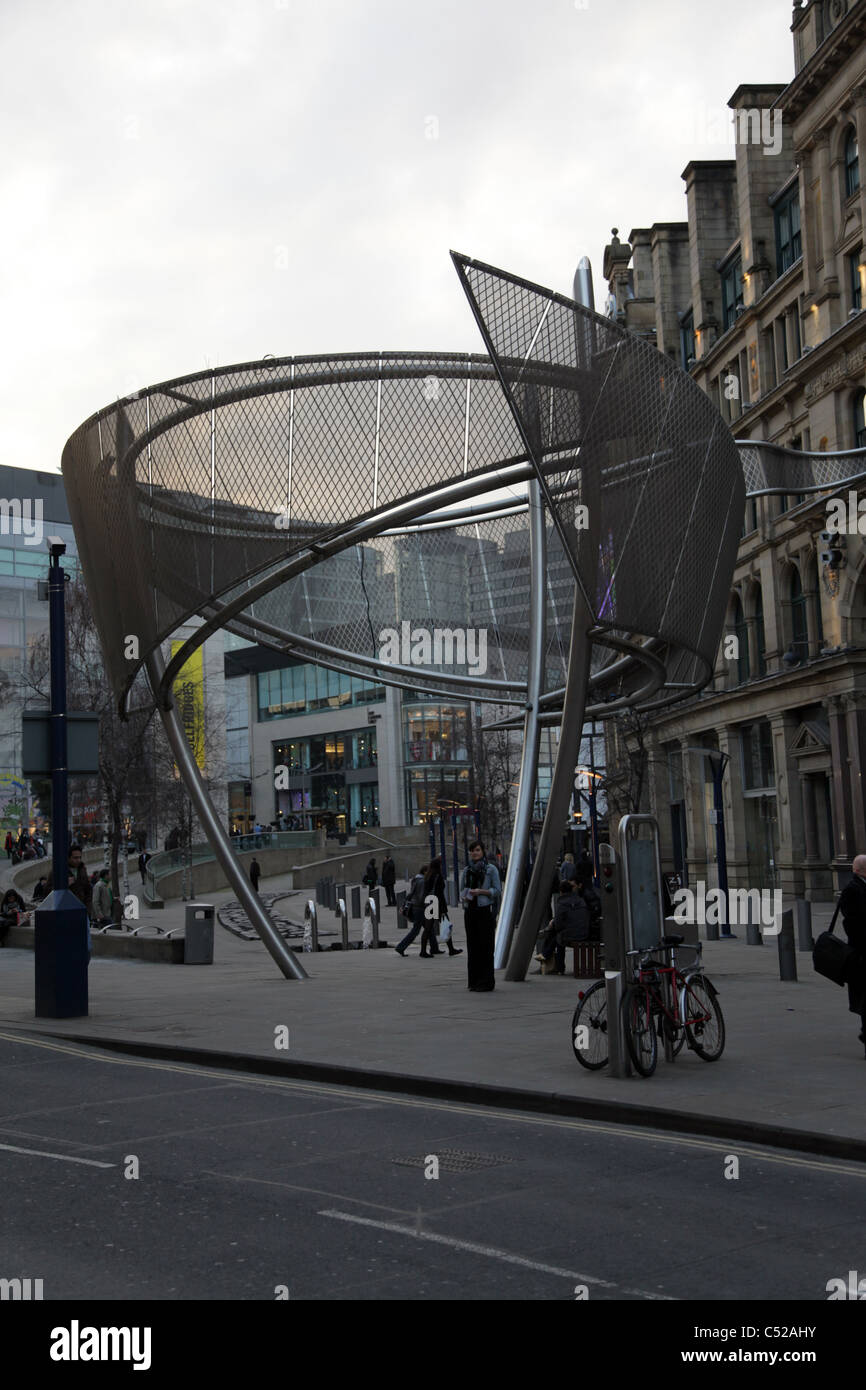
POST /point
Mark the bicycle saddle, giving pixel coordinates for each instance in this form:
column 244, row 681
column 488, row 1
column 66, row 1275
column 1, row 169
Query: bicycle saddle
column 672, row 940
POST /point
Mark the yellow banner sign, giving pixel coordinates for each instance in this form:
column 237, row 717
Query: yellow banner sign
column 189, row 698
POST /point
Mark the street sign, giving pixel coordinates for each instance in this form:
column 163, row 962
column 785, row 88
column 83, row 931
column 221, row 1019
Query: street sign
column 82, row 747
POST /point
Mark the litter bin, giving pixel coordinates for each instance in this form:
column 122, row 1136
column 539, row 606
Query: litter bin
column 198, row 939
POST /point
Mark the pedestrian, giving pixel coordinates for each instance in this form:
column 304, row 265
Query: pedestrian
column 415, row 904
column 41, row 889
column 371, row 875
column 10, row 844
column 571, row 924
column 143, row 859
column 102, row 900
column 852, row 906
column 479, row 893
column 255, row 874
column 389, row 877
column 11, row 909
column 566, row 868
column 434, row 886
column 78, row 882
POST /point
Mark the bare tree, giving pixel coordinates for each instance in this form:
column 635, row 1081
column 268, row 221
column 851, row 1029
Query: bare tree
column 122, row 743
column 626, row 781
column 495, row 757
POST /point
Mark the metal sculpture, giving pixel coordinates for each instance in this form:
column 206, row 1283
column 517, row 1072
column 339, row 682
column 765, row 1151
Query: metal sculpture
column 313, row 504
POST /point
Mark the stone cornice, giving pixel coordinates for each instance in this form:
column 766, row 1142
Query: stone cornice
column 849, row 364
column 841, row 44
column 714, row 708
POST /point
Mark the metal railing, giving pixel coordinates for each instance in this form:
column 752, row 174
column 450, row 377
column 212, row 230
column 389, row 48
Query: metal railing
column 171, row 860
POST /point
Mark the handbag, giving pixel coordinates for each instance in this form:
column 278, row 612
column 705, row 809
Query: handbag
column 445, row 929
column 832, row 957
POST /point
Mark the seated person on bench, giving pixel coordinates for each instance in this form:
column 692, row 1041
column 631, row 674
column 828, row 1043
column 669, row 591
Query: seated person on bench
column 570, row 925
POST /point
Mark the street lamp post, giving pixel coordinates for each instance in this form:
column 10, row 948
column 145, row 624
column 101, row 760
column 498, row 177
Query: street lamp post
column 718, row 763
column 586, row 785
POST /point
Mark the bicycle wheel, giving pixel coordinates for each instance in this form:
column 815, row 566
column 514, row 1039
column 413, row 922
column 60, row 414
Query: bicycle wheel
column 589, row 1028
column 640, row 1033
column 705, row 1026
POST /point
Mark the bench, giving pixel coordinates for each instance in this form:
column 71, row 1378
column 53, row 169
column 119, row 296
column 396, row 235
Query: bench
column 587, row 960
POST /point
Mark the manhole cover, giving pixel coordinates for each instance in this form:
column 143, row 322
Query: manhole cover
column 455, row 1160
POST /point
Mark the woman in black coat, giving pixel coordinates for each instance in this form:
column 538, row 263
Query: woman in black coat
column 852, row 906
column 434, row 886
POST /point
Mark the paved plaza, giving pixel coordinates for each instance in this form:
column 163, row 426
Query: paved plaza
column 792, row 1066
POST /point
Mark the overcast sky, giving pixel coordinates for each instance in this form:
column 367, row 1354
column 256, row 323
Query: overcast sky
column 191, row 183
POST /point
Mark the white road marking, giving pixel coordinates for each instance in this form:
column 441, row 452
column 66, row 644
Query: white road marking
column 492, row 1253
column 64, row 1158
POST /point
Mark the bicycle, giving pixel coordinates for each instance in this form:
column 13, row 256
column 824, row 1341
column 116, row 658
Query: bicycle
column 684, row 1003
column 589, row 1038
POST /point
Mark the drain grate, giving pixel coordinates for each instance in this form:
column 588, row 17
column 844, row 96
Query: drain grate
column 455, row 1160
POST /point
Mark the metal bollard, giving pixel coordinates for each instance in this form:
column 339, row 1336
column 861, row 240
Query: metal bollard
column 320, row 890
column 618, row 1059
column 342, row 892
column 344, row 922
column 787, row 954
column 372, row 911
column 753, row 925
column 401, row 898
column 311, row 931
column 803, row 918
column 356, row 902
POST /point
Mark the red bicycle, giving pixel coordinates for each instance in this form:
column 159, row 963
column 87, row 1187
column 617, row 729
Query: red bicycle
column 682, row 1006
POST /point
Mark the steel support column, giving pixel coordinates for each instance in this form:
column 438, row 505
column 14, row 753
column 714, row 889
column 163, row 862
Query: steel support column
column 535, row 907
column 215, row 831
column 531, row 728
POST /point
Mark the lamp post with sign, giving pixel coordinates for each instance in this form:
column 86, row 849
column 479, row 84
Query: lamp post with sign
column 718, row 762
column 57, row 743
column 586, row 783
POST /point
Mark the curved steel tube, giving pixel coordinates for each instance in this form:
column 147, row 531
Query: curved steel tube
column 531, row 731
column 215, row 831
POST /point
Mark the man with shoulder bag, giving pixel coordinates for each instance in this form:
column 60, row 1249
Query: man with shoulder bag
column 852, row 906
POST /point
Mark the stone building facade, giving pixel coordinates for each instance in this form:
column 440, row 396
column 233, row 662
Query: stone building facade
column 760, row 295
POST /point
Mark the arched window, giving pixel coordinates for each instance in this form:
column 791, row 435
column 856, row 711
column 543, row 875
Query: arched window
column 852, row 163
column 799, row 617
column 741, row 632
column 859, row 404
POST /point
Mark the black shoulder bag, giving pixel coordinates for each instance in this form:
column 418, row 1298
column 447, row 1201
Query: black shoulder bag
column 832, row 957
